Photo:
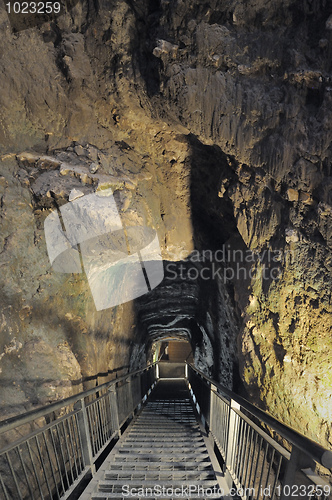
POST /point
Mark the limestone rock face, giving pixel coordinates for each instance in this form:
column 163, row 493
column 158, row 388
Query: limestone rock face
column 254, row 79
column 210, row 122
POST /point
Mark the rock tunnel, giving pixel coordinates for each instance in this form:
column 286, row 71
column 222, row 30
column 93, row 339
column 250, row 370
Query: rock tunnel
column 209, row 122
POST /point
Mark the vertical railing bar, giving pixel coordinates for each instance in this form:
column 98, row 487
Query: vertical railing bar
column 104, row 413
column 253, row 460
column 221, row 436
column 249, row 454
column 77, row 448
column 221, row 430
column 245, row 449
column 114, row 409
column 244, row 452
column 239, row 458
column 276, row 478
column 35, row 470
column 72, row 446
column 43, row 466
column 62, row 455
column 257, row 461
column 107, row 433
column 215, row 411
column 25, row 472
column 269, row 470
column 99, row 421
column 51, row 464
column 214, row 417
column 223, row 421
column 4, row 487
column 109, row 415
column 263, row 465
column 242, row 429
column 225, row 426
column 230, row 446
column 68, row 452
column 109, row 409
column 226, row 416
column 101, row 413
column 91, row 429
column 235, row 444
column 96, row 427
column 57, row 460
column 14, row 475
column 240, row 447
column 78, row 443
column 102, row 420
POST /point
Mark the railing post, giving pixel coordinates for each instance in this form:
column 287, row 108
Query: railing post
column 298, row 460
column 157, row 371
column 186, row 371
column 83, row 428
column 130, row 395
column 114, row 409
column 212, row 388
column 231, row 440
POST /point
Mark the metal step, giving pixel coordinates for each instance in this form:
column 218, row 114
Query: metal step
column 188, row 452
column 158, row 475
column 161, row 466
column 118, row 484
column 103, row 495
column 154, row 458
column 146, row 444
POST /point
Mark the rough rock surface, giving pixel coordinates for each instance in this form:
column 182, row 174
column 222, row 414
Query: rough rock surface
column 216, row 117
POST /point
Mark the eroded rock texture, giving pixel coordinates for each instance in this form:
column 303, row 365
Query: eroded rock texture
column 211, row 123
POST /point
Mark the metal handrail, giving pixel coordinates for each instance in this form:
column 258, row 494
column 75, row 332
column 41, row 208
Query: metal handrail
column 52, row 460
column 320, row 454
column 13, row 422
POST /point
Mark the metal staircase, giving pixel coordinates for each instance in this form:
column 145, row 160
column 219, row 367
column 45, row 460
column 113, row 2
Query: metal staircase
column 162, row 454
column 139, row 436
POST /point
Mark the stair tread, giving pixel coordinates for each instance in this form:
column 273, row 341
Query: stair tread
column 120, row 482
column 163, row 464
column 141, row 437
column 117, row 496
column 164, row 453
column 163, row 459
column 146, row 444
column 174, row 473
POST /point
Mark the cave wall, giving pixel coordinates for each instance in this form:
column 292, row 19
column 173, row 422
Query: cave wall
column 64, row 127
column 254, row 79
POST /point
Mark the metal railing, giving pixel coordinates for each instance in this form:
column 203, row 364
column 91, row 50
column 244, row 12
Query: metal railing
column 258, row 466
column 51, row 450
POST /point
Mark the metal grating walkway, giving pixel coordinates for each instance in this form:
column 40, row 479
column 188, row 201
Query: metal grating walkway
column 161, row 455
